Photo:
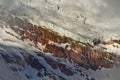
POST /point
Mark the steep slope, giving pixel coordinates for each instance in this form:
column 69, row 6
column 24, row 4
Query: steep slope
column 86, row 18
column 37, row 45
column 21, row 61
column 61, row 57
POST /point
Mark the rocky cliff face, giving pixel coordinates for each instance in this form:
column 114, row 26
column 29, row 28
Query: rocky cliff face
column 33, row 48
column 56, row 57
column 84, row 54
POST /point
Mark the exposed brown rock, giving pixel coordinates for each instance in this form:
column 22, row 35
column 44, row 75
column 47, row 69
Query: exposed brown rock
column 79, row 52
column 110, row 42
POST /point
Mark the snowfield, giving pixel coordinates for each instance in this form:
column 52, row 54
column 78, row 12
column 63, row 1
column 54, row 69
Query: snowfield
column 82, row 20
column 85, row 19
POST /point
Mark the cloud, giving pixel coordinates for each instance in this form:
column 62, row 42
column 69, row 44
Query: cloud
column 9, row 4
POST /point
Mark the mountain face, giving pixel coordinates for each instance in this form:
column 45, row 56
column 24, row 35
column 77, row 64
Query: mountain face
column 40, row 41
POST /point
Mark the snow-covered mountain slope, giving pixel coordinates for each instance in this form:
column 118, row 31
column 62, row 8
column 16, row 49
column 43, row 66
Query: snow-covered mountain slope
column 52, row 40
column 87, row 18
column 81, row 20
column 21, row 60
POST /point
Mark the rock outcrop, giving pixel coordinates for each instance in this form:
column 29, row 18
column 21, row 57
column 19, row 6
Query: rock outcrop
column 83, row 54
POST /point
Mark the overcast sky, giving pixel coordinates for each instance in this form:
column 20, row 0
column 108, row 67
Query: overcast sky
column 114, row 5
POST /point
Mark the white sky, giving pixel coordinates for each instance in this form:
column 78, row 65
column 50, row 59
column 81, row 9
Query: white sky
column 114, row 5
